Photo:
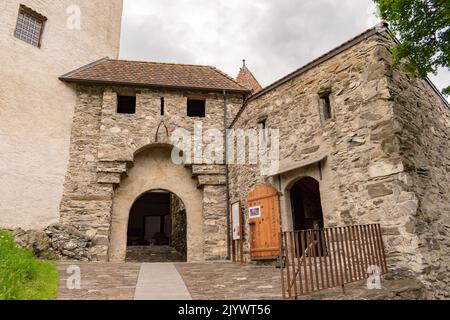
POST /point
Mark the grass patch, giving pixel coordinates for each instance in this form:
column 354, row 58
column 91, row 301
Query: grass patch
column 22, row 275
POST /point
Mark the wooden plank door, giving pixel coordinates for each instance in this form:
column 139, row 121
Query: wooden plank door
column 263, row 219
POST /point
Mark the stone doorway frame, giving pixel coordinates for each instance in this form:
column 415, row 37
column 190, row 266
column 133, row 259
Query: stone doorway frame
column 154, row 170
column 293, row 199
column 288, row 180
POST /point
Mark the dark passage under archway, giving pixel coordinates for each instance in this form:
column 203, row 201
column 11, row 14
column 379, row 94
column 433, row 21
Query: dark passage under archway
column 307, row 205
column 157, row 229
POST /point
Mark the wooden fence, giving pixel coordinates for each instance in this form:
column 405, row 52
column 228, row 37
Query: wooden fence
column 316, row 260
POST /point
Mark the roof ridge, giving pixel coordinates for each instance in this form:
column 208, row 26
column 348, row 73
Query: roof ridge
column 202, row 77
column 157, row 62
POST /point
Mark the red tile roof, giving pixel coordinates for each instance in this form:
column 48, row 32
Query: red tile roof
column 247, row 79
column 154, row 74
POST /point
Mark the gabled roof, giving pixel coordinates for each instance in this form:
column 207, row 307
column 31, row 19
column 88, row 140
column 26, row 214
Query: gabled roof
column 154, row 74
column 247, row 79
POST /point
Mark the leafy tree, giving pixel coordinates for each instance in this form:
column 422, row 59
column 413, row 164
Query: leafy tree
column 424, row 30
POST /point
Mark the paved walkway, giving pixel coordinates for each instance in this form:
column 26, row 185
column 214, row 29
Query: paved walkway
column 203, row 281
column 178, row 281
column 160, row 281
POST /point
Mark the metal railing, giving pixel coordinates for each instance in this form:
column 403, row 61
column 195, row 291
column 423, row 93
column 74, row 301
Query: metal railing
column 316, row 260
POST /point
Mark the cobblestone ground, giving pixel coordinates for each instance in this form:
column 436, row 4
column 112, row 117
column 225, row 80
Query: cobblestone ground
column 229, row 281
column 100, row 281
column 216, row 281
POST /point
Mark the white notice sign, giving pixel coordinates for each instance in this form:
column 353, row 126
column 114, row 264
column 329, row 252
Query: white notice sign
column 235, row 208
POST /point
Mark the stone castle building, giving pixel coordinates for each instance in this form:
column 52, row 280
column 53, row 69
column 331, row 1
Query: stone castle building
column 36, row 108
column 360, row 143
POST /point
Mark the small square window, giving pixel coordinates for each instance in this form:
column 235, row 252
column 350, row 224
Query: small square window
column 29, row 26
column 325, row 102
column 126, row 104
column 196, row 108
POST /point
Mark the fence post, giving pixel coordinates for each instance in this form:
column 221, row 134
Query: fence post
column 282, row 265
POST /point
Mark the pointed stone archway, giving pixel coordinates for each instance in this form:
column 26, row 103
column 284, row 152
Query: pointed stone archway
column 154, row 170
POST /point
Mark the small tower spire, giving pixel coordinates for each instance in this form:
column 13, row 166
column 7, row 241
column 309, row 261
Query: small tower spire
column 247, row 79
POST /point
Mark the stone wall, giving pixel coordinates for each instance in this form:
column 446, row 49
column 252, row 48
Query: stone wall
column 424, row 134
column 104, row 147
column 56, row 242
column 86, row 204
column 361, row 178
column 36, row 108
column 178, row 212
column 386, row 149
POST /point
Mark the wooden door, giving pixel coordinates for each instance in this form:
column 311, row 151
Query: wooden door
column 263, row 219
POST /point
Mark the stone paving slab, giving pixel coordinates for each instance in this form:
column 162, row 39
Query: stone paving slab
column 160, row 281
column 231, row 281
column 99, row 281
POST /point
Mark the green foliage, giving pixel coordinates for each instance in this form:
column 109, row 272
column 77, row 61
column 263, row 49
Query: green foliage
column 22, row 275
column 424, row 30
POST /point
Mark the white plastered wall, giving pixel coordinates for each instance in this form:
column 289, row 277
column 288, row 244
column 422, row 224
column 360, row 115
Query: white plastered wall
column 36, row 108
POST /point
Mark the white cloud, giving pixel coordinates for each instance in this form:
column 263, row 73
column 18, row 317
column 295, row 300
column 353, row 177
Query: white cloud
column 275, row 37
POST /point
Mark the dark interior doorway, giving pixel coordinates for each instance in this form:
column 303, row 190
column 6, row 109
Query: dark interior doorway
column 307, row 205
column 308, row 215
column 157, row 228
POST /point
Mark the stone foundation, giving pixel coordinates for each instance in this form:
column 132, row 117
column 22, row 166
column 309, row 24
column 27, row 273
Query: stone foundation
column 57, row 242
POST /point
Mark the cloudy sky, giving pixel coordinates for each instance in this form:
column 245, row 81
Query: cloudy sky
column 274, row 36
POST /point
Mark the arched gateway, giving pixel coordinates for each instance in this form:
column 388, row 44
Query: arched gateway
column 154, row 170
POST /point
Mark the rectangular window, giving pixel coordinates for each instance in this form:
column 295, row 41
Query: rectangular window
column 262, row 124
column 126, row 104
column 325, row 102
column 196, row 108
column 162, row 106
column 29, row 26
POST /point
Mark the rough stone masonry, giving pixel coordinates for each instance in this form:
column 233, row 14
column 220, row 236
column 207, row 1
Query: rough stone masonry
column 387, row 148
column 381, row 156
